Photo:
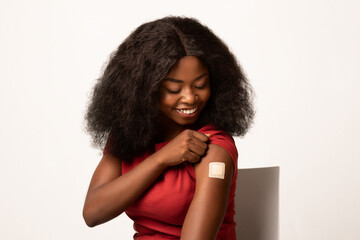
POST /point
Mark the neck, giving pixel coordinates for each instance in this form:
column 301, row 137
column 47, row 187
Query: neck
column 169, row 130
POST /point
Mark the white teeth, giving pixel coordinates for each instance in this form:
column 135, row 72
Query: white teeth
column 187, row 111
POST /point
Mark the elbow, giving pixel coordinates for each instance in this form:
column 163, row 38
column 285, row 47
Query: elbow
column 88, row 217
column 94, row 214
column 89, row 223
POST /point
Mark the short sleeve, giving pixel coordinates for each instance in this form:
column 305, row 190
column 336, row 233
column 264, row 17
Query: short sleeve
column 221, row 139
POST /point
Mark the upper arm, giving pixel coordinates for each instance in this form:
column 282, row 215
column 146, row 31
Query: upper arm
column 107, row 170
column 96, row 210
column 209, row 205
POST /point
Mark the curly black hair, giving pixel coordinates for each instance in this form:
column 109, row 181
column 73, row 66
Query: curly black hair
column 124, row 104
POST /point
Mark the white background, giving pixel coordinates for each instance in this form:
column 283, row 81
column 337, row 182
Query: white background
column 302, row 58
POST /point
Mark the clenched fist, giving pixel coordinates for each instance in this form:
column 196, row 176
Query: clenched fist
column 188, row 146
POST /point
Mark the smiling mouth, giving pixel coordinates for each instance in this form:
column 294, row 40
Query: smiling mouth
column 187, row 111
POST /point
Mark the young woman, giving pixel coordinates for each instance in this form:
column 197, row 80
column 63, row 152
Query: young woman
column 166, row 105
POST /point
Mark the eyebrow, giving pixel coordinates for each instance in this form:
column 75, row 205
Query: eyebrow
column 180, row 81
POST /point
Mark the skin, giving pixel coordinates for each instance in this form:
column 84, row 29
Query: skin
column 186, row 88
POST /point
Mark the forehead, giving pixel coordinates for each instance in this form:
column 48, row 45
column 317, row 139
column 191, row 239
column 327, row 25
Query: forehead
column 187, row 68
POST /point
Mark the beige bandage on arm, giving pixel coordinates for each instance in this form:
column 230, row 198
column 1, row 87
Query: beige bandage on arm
column 217, row 170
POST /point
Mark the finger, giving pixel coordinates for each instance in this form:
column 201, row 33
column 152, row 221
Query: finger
column 192, row 157
column 200, row 144
column 201, row 136
column 197, row 149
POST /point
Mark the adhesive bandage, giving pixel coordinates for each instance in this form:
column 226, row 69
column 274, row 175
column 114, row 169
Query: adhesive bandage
column 217, row 170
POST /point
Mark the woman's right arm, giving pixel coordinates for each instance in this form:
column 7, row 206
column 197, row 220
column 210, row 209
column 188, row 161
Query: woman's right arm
column 111, row 193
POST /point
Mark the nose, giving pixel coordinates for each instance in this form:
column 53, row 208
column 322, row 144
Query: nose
column 189, row 97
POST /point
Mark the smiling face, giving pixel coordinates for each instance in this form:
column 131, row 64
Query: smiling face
column 184, row 92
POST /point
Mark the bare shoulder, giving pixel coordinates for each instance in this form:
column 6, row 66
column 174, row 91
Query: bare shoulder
column 216, row 165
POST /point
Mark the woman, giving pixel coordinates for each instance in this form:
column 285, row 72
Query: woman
column 166, row 105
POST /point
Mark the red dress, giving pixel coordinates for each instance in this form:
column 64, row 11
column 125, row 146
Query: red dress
column 160, row 211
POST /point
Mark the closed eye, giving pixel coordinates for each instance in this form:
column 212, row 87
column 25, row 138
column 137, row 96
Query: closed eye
column 202, row 86
column 173, row 91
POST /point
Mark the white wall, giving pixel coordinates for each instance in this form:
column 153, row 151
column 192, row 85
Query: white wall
column 302, row 57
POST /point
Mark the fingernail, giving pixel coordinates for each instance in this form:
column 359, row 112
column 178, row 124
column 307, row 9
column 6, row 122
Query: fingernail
column 207, row 134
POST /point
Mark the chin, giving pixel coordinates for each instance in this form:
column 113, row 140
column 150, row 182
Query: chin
column 186, row 123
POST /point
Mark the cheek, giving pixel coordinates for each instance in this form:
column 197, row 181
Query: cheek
column 205, row 96
column 167, row 100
